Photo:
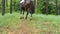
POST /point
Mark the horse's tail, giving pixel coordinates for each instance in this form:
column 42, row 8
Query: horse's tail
column 33, row 7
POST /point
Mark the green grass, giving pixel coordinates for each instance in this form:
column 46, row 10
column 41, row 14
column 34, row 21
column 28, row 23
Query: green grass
column 44, row 22
column 9, row 20
column 39, row 21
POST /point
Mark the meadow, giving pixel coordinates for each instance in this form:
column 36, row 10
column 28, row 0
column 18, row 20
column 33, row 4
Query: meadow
column 40, row 24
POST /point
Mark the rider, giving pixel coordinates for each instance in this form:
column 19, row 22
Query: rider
column 22, row 1
column 26, row 1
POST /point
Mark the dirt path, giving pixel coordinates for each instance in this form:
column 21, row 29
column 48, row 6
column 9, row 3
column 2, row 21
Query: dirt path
column 24, row 28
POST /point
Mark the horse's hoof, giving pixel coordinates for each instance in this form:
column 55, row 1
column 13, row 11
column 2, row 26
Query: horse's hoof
column 30, row 18
column 21, row 17
column 25, row 18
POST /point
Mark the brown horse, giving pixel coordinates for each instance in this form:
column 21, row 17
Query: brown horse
column 27, row 6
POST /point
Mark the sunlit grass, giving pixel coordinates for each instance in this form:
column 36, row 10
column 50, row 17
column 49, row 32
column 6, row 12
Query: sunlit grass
column 38, row 21
column 9, row 19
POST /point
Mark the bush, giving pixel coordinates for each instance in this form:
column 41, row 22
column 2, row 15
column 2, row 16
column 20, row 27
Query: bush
column 17, row 6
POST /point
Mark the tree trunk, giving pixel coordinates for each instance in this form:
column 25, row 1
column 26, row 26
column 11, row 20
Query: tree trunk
column 7, row 3
column 36, row 2
column 3, row 7
column 46, row 7
column 15, row 5
column 56, row 7
column 10, row 6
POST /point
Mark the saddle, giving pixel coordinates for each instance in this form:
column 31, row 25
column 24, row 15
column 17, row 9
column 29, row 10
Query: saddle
column 26, row 2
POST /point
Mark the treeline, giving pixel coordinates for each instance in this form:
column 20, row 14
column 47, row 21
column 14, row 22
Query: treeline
column 40, row 6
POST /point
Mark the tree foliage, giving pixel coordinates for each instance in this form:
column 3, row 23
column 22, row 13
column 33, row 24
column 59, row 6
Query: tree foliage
column 40, row 7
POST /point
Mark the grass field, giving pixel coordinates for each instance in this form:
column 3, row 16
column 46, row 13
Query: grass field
column 40, row 24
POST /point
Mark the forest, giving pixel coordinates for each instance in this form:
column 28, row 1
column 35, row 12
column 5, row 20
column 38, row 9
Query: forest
column 40, row 6
column 45, row 20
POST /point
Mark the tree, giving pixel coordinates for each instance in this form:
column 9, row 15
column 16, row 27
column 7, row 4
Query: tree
column 10, row 6
column 3, row 7
column 46, row 7
column 56, row 7
column 14, row 4
column 7, row 3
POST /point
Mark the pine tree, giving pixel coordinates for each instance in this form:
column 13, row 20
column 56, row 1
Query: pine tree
column 3, row 7
column 10, row 6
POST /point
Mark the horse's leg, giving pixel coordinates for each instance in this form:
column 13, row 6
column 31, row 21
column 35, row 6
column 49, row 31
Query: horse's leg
column 31, row 17
column 21, row 11
column 26, row 15
column 21, row 14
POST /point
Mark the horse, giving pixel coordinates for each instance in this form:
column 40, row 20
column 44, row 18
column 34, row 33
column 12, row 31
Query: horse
column 28, row 6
